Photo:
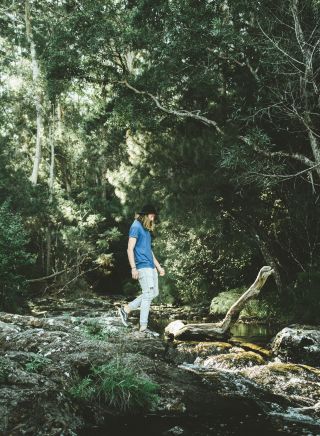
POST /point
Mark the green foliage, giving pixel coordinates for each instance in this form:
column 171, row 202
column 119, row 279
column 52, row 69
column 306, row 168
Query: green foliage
column 118, row 386
column 13, row 257
column 95, row 330
column 224, row 300
column 232, row 190
column 304, row 298
column 198, row 264
column 258, row 309
column 130, row 289
column 37, row 363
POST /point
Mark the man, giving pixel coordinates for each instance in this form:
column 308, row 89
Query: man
column 144, row 265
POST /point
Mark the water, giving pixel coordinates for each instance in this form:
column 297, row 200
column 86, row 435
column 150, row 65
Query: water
column 259, row 334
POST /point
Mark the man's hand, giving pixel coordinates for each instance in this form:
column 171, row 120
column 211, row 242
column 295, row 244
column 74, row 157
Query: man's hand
column 161, row 271
column 135, row 273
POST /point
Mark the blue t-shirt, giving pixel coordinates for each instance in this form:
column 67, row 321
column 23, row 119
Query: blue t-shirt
column 142, row 250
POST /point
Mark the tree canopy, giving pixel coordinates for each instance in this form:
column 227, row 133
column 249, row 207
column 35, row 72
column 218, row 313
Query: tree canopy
column 209, row 109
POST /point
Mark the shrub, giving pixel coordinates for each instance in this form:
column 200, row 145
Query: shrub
column 116, row 385
column 223, row 301
column 258, row 308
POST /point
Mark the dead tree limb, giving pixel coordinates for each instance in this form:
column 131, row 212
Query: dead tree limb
column 220, row 330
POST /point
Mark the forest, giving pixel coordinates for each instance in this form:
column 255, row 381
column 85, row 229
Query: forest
column 208, row 109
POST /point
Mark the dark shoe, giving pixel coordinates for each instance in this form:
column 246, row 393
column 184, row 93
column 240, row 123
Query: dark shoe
column 123, row 316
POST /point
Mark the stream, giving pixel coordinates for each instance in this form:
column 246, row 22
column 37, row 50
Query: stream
column 221, row 424
column 235, row 387
column 233, row 422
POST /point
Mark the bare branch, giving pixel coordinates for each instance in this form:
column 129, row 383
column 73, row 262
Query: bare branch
column 75, row 278
column 296, row 156
column 41, row 279
column 281, row 49
column 288, row 176
column 187, row 114
column 179, row 113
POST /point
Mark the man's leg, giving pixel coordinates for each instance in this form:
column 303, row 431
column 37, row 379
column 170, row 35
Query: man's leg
column 133, row 305
column 146, row 280
column 127, row 308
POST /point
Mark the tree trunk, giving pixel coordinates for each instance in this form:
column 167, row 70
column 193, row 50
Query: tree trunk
column 220, row 330
column 48, row 249
column 270, row 260
column 38, row 96
column 51, row 188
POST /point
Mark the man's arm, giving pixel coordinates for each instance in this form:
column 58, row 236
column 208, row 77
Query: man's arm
column 131, row 245
column 158, row 266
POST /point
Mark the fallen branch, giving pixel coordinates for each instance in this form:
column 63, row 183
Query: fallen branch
column 41, row 279
column 68, row 269
column 220, row 330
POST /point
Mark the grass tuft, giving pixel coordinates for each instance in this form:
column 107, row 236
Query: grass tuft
column 118, row 386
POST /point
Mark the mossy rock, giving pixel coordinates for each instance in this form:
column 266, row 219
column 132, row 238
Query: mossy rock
column 299, row 383
column 248, row 346
column 181, row 351
column 234, row 360
column 213, row 347
column 284, row 368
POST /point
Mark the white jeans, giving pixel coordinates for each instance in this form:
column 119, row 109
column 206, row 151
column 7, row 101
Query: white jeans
column 148, row 279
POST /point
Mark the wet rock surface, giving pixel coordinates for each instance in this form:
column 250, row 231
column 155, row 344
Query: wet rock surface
column 220, row 388
column 234, row 360
column 299, row 382
column 299, row 344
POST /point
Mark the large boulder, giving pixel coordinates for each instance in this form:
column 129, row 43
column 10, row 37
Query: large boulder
column 299, row 382
column 298, row 344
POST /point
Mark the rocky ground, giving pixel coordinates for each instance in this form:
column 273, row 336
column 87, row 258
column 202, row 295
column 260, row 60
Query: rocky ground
column 218, row 388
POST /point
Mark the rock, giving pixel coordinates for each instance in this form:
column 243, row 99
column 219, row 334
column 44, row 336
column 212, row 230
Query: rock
column 299, row 382
column 233, row 361
column 248, row 346
column 299, row 344
column 41, row 357
column 7, row 328
column 179, row 351
column 173, row 327
column 175, row 430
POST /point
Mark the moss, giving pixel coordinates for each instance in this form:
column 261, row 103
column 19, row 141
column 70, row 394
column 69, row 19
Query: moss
column 235, row 360
column 216, row 344
column 255, row 348
column 285, row 368
column 201, row 346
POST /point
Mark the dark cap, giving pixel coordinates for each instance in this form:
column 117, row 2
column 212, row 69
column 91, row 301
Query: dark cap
column 146, row 209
